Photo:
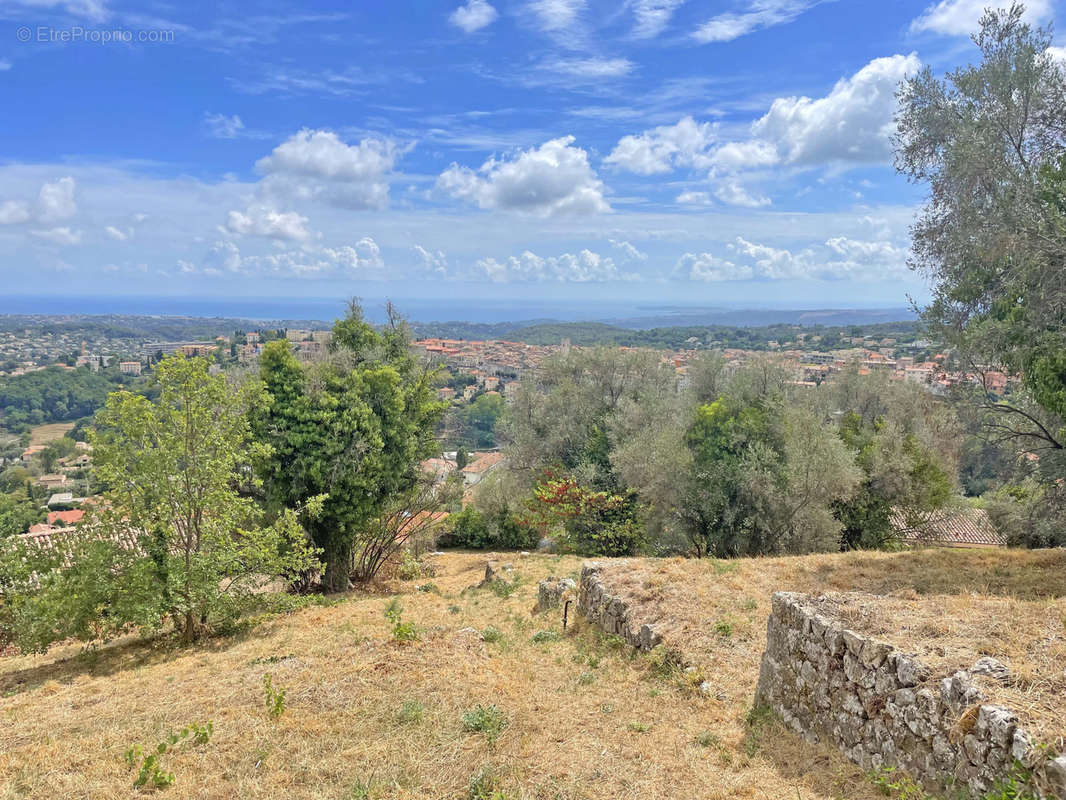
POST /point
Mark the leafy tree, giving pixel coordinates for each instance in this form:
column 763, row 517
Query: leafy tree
column 990, row 141
column 17, row 514
column 174, row 537
column 462, row 457
column 478, row 420
column 595, row 523
column 351, row 428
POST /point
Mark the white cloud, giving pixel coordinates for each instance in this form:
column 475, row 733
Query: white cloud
column 434, row 262
column 591, row 67
column 116, row 234
column 553, row 179
column 583, row 267
column 772, row 263
column 734, row 194
column 222, row 127
column 64, row 236
column 735, row 156
column 694, row 199
column 317, row 164
column 852, row 123
column 365, row 254
column 57, row 200
column 556, row 15
column 629, row 251
column 95, row 10
column 652, row 16
column 4, row 65
column 761, row 14
column 1058, row 54
column 864, row 259
column 223, row 257
column 962, row 17
column 709, row 267
column 665, row 148
column 260, row 221
column 12, row 212
column 474, row 16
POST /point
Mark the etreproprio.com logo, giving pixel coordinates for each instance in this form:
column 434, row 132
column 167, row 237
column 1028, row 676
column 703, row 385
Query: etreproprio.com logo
column 76, row 34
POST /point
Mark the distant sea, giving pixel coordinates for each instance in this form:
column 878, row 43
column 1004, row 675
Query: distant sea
column 477, row 310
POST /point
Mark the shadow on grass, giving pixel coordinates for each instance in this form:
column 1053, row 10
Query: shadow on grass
column 134, row 651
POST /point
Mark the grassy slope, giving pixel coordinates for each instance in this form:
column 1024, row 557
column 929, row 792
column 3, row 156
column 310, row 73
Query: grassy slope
column 585, row 720
column 43, row 434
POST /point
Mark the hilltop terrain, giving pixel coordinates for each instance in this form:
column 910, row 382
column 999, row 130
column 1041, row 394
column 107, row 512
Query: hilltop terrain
column 488, row 702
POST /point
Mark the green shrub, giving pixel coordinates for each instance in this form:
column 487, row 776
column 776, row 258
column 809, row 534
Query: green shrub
column 541, row 637
column 492, row 634
column 468, row 529
column 488, row 720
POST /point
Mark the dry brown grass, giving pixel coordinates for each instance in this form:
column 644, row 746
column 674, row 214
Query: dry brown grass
column 585, row 719
column 43, row 434
column 949, row 606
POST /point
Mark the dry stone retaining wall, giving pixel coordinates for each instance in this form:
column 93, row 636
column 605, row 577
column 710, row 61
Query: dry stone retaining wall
column 882, row 707
column 610, row 612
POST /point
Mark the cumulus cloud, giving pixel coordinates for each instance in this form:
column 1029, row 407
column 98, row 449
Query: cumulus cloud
column 260, row 221
column 734, row 194
column 363, row 255
column 63, row 236
column 12, row 212
column 433, row 261
column 554, row 179
column 709, row 267
column 864, row 259
column 4, row 65
column 853, row 123
column 473, row 16
column 1058, row 54
column 222, row 127
column 665, row 148
column 317, row 164
column 771, row 263
column 583, row 267
column 962, row 17
column 761, row 14
column 116, row 234
column 652, row 16
column 630, row 252
column 56, row 200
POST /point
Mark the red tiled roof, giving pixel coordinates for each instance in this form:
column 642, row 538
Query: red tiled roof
column 66, row 517
column 968, row 527
column 483, row 462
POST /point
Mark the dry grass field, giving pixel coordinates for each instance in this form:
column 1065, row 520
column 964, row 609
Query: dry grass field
column 368, row 716
column 43, row 434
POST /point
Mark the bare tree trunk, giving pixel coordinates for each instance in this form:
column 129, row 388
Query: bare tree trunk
column 338, row 567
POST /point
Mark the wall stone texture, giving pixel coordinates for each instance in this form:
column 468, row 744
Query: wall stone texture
column 610, row 612
column 881, row 707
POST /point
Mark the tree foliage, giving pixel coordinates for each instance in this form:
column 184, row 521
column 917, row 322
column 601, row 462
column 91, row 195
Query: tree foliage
column 352, row 429
column 174, row 536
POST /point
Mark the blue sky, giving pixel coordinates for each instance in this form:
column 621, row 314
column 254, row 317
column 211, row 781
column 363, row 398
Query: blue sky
column 656, row 150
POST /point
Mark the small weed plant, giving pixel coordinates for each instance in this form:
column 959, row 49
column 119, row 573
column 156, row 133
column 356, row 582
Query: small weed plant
column 275, row 697
column 487, row 720
column 401, row 631
column 150, row 771
column 542, row 637
column 492, row 634
column 410, row 712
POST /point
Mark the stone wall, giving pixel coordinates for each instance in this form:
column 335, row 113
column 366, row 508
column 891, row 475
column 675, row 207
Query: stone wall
column 884, row 708
column 609, row 612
